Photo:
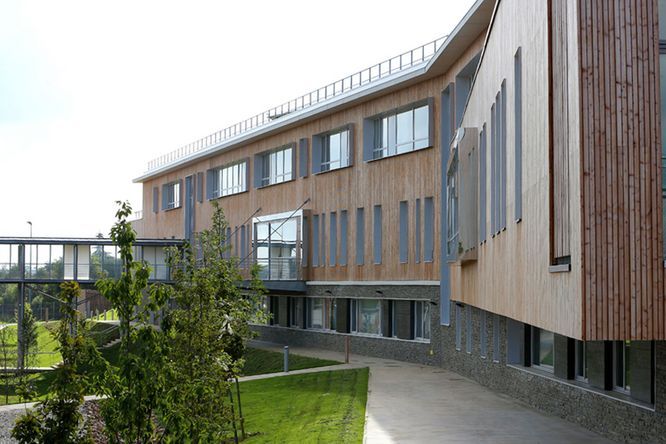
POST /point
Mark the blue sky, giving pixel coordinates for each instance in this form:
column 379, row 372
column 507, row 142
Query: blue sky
column 91, row 91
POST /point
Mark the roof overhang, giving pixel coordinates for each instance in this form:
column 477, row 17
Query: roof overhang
column 475, row 22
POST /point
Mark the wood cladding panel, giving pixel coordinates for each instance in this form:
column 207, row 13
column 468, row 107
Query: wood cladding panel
column 559, row 131
column 621, row 208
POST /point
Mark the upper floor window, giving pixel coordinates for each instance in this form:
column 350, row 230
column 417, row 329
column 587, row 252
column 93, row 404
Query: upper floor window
column 276, row 166
column 171, row 195
column 332, row 150
column 227, row 180
column 398, row 132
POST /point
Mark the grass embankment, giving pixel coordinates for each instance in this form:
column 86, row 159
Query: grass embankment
column 259, row 362
column 312, row 407
column 47, row 353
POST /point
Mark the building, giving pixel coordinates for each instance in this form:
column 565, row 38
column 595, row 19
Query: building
column 490, row 203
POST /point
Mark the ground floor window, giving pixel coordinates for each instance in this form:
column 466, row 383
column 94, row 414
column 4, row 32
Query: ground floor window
column 422, row 320
column 621, row 367
column 543, row 348
column 321, row 313
column 393, row 319
column 366, row 316
column 295, row 312
column 581, row 361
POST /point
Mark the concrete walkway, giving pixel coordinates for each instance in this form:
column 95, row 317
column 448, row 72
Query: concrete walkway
column 410, row 403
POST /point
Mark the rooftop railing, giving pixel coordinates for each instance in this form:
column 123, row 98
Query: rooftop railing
column 409, row 59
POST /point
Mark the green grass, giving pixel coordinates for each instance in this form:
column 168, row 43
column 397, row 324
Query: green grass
column 259, row 362
column 327, row 407
column 41, row 382
column 47, row 354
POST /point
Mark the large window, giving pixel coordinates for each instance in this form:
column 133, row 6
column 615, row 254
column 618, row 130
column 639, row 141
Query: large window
column 400, row 132
column 227, row 180
column 335, row 150
column 277, row 247
column 171, row 195
column 366, row 316
column 422, row 320
column 276, row 166
column 581, row 361
column 543, row 348
column 321, row 313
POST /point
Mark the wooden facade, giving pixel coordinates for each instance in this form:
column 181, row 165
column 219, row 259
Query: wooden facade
column 621, row 207
column 364, row 184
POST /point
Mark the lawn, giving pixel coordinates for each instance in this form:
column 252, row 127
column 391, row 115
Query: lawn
column 47, row 354
column 259, row 362
column 312, row 407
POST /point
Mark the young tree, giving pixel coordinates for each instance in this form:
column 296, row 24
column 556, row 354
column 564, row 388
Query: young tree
column 7, row 358
column 82, row 371
column 29, row 344
column 207, row 331
column 137, row 387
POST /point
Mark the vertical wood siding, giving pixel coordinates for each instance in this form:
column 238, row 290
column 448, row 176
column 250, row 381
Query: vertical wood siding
column 559, row 121
column 623, row 272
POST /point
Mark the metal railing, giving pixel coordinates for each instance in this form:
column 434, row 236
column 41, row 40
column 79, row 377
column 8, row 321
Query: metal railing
column 279, row 269
column 406, row 60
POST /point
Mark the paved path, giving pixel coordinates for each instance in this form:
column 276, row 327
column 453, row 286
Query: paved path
column 410, row 403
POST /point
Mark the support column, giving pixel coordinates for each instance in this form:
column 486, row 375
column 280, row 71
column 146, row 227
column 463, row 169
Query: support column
column 20, row 309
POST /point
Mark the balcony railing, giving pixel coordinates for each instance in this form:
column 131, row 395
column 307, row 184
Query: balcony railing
column 394, row 65
column 279, row 269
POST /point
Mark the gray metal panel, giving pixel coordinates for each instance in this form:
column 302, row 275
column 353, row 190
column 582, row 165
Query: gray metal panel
column 315, row 240
column 446, row 106
column 156, row 199
column 243, row 243
column 518, row 135
column 200, row 187
column 493, row 170
column 352, row 144
column 189, row 208
column 322, row 222
column 503, row 172
column 482, row 184
column 333, row 243
column 360, row 236
column 305, row 242
column 404, row 232
column 210, row 183
column 463, row 84
column 368, row 138
column 258, row 170
column 431, row 121
column 428, row 230
column 418, row 232
column 342, row 259
column 164, row 197
column 303, row 158
column 317, row 142
column 377, row 234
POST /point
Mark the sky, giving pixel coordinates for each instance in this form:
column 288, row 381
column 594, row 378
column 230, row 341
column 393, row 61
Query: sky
column 90, row 91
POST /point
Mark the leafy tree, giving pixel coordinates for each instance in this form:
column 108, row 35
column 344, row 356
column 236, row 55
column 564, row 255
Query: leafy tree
column 83, row 370
column 7, row 358
column 137, row 387
column 207, row 332
column 28, row 346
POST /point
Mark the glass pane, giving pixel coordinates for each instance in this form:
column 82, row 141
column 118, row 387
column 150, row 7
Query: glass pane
column 546, row 348
column 405, row 124
column 391, row 135
column 287, row 163
column 317, row 313
column 369, row 316
column 421, row 126
column 280, row 163
column 344, row 148
column 334, row 150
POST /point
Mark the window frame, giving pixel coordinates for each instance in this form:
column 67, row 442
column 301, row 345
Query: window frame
column 172, row 195
column 322, row 143
column 621, row 364
column 422, row 316
column 536, row 350
column 269, row 161
column 355, row 317
column 217, row 174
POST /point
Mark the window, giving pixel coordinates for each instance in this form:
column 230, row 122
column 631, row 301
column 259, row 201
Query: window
column 360, row 236
column 422, row 320
column 468, row 329
column 171, row 195
column 393, row 320
column 377, row 234
column 483, row 334
column 458, row 328
column 366, row 316
column 621, row 367
column 321, row 313
column 333, row 150
column 581, row 361
column 401, row 132
column 275, row 166
column 496, row 338
column 543, row 348
column 227, row 180
column 295, row 313
column 277, row 244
